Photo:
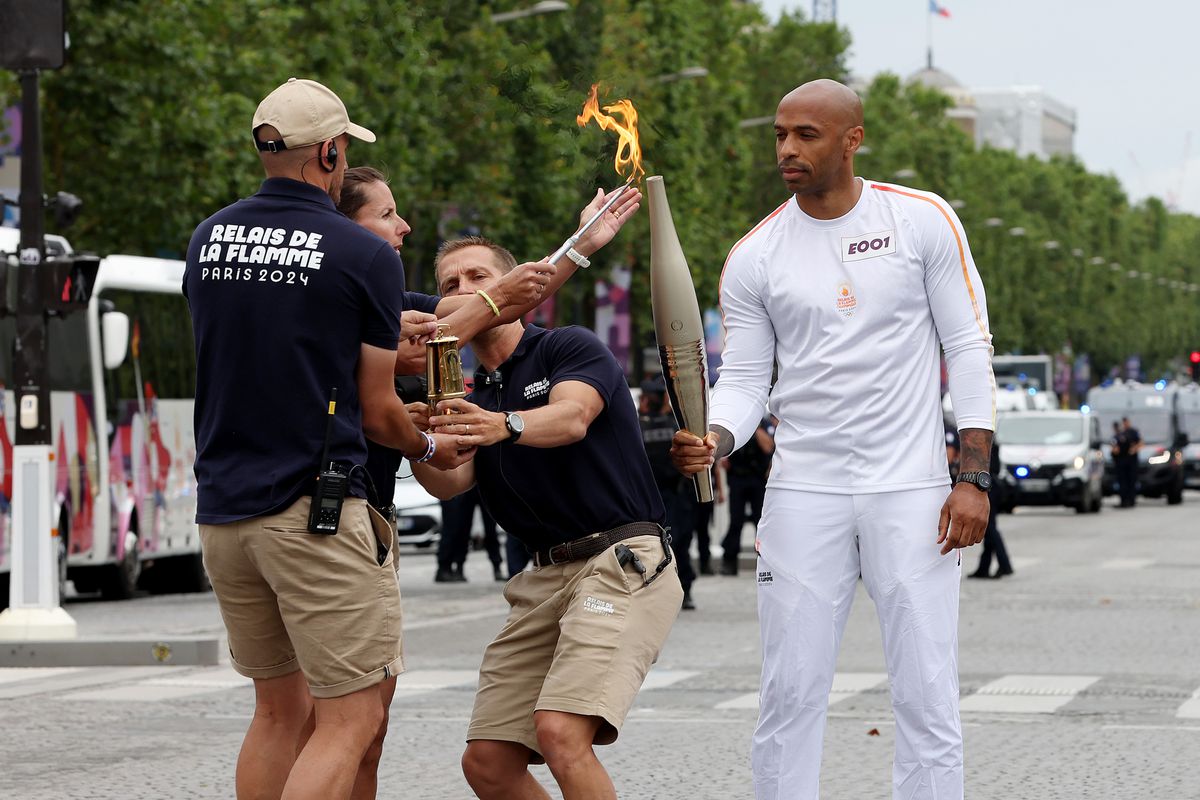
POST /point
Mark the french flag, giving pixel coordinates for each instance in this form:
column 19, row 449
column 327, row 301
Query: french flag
column 941, row 11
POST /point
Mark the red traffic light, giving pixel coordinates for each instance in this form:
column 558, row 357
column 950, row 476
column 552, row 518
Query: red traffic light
column 1196, row 356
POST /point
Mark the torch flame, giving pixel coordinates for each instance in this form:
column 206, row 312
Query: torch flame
column 629, row 152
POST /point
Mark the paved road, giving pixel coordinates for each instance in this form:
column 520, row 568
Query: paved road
column 1080, row 679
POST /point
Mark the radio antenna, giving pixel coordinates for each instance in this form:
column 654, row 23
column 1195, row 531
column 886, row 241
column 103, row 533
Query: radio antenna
column 329, row 427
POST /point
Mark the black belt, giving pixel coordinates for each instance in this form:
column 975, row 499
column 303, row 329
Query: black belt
column 593, row 544
column 390, row 513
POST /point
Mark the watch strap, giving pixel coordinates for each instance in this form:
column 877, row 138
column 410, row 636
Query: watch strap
column 579, row 258
column 970, row 477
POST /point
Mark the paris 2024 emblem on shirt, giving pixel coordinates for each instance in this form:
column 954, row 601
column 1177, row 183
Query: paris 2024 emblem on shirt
column 846, row 301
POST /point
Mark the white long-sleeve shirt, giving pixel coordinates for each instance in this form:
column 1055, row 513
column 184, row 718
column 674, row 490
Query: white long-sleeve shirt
column 853, row 310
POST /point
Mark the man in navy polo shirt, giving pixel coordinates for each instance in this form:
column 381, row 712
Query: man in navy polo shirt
column 291, row 301
column 560, row 465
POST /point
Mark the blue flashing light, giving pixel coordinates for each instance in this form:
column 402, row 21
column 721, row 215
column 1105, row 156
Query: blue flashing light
column 1022, row 377
column 1022, row 472
column 1160, row 384
column 1085, row 408
column 1032, row 391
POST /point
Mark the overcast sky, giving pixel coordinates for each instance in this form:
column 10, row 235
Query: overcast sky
column 1129, row 69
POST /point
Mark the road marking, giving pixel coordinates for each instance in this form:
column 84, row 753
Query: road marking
column 662, row 678
column 423, row 681
column 15, row 674
column 144, row 692
column 845, row 685
column 1127, row 563
column 1027, row 694
column 741, row 701
column 1024, row 562
column 1195, row 728
column 1191, row 708
column 848, row 684
column 452, row 619
column 64, row 679
column 213, row 679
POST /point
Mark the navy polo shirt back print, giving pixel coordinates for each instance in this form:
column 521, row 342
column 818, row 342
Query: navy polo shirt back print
column 547, row 496
column 283, row 290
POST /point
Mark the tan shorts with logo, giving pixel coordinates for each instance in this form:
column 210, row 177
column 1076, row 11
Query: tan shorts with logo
column 580, row 638
column 294, row 600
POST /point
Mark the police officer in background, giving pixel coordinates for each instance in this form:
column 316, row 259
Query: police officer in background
column 658, row 428
column 1125, row 459
column 746, row 473
column 993, row 542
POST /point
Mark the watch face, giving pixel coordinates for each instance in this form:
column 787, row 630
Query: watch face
column 983, row 481
column 515, row 423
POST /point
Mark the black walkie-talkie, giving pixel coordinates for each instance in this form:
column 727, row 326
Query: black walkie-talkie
column 326, row 510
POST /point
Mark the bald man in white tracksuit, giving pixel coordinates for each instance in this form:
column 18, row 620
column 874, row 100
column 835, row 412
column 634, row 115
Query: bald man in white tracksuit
column 845, row 293
column 853, row 308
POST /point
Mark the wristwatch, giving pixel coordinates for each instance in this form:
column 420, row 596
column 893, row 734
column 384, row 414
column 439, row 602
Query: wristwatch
column 515, row 425
column 982, row 480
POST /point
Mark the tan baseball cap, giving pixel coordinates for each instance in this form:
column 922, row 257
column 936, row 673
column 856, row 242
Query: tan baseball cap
column 305, row 112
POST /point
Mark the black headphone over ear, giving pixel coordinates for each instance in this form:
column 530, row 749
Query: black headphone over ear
column 329, row 160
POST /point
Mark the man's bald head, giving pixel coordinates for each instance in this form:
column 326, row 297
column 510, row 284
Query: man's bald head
column 818, row 128
column 836, row 100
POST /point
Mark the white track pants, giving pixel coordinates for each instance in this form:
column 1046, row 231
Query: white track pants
column 812, row 549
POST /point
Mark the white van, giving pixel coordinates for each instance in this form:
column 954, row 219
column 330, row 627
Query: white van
column 1008, row 399
column 1051, row 458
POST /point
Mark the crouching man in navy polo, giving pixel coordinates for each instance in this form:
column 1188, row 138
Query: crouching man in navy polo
column 560, row 465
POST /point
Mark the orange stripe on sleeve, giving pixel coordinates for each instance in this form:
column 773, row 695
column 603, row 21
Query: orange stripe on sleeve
column 732, row 250
column 962, row 255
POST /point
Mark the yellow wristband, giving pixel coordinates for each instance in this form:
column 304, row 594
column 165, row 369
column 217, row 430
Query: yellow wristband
column 491, row 303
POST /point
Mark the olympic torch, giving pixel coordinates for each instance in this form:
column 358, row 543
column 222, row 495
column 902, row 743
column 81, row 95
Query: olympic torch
column 677, row 326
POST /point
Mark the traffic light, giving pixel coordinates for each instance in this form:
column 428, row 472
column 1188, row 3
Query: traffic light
column 1195, row 359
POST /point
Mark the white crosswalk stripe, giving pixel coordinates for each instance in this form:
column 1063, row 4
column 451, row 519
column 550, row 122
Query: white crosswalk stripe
column 662, row 678
column 1191, row 708
column 1009, row 694
column 845, row 685
column 1027, row 694
column 1127, row 563
column 172, row 687
column 424, row 681
column 18, row 674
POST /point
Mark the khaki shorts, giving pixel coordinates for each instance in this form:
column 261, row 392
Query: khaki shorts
column 294, row 600
column 580, row 638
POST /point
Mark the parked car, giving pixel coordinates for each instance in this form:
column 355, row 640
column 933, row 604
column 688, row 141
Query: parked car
column 418, row 513
column 1153, row 409
column 1051, row 458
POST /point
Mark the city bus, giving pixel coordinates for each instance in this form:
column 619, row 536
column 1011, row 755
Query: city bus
column 122, row 379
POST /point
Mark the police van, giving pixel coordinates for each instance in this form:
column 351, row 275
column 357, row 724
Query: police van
column 1153, row 409
column 1051, row 458
column 1189, row 422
